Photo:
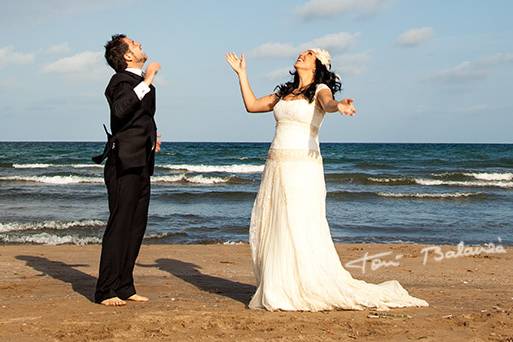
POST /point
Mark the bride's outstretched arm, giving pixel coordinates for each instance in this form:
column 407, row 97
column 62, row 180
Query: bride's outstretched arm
column 330, row 105
column 251, row 102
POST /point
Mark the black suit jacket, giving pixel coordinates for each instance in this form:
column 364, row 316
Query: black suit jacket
column 131, row 121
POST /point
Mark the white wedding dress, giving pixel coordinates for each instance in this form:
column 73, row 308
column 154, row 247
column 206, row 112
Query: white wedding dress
column 295, row 262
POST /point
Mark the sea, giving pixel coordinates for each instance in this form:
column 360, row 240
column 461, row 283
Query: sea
column 202, row 193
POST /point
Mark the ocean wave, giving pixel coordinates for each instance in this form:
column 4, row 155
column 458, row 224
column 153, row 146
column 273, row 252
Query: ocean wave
column 235, row 168
column 198, row 179
column 85, row 166
column 45, row 238
column 394, row 181
column 206, row 195
column 486, row 176
column 362, row 178
column 45, row 166
column 52, row 179
column 166, row 235
column 430, row 182
column 238, row 242
column 449, row 195
column 31, row 166
column 478, row 179
column 50, row 239
column 491, row 176
column 434, row 182
column 58, row 225
column 21, row 194
column 366, row 179
column 351, row 195
column 182, row 178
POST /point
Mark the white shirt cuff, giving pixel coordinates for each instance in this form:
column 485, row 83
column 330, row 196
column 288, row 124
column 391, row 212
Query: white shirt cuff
column 141, row 89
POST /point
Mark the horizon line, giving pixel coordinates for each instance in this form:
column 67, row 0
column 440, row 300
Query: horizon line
column 256, row 142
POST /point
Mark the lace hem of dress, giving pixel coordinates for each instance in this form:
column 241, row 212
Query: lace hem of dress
column 292, row 154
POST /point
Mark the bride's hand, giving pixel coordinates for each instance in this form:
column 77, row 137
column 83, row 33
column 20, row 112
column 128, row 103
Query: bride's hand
column 237, row 63
column 346, row 107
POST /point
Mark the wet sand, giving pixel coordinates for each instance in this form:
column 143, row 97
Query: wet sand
column 201, row 292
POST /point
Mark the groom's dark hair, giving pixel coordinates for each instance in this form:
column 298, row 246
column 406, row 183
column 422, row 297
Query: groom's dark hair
column 115, row 50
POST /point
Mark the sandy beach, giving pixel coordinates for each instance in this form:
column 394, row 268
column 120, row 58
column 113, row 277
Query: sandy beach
column 200, row 293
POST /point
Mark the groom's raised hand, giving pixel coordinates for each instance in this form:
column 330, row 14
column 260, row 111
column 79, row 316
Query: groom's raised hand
column 152, row 69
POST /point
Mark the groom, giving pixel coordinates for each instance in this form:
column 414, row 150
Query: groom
column 130, row 153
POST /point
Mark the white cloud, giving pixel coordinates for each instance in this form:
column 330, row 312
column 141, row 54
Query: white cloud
column 80, row 62
column 83, row 66
column 328, row 8
column 8, row 55
column 496, row 59
column 465, row 71
column 58, row 49
column 472, row 70
column 351, row 64
column 333, row 42
column 415, row 36
column 274, row 50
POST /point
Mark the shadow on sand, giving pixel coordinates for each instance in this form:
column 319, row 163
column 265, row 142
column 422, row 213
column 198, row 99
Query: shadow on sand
column 190, row 273
column 81, row 282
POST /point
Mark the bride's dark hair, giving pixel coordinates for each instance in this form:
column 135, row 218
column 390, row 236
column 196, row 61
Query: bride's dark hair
column 322, row 75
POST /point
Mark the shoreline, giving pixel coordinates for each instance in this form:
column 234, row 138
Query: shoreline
column 200, row 293
column 151, row 241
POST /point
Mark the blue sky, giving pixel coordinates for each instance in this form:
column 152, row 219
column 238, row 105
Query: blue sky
column 420, row 71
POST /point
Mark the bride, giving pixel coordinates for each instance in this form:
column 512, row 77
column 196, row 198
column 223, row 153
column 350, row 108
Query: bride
column 295, row 262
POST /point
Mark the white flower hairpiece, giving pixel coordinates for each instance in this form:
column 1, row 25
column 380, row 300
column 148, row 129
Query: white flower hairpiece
column 323, row 56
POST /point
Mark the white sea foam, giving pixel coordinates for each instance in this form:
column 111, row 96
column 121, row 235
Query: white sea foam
column 387, row 180
column 506, row 176
column 45, row 166
column 50, row 239
column 57, row 180
column 230, row 242
column 207, row 180
column 30, row 166
column 53, row 179
column 487, row 176
column 20, row 226
column 168, row 179
column 464, row 183
column 429, row 195
column 84, row 166
column 236, row 168
column 199, row 179
column 425, row 181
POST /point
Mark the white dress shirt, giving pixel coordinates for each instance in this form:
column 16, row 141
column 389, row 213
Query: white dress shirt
column 142, row 88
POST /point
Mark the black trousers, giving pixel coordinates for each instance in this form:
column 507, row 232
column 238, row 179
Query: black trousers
column 129, row 198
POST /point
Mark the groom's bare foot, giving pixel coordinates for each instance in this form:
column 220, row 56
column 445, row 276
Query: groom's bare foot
column 137, row 298
column 114, row 301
